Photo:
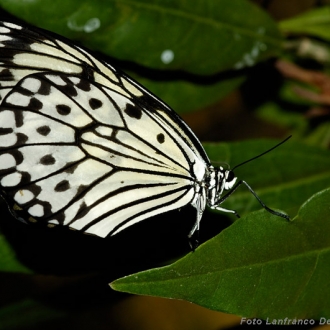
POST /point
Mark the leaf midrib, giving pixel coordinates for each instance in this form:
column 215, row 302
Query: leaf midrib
column 257, row 264
column 200, row 20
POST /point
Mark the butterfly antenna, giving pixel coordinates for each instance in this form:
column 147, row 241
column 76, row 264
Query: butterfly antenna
column 253, row 158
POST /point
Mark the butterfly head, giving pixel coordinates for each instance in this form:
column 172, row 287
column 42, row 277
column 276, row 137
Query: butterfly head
column 220, row 180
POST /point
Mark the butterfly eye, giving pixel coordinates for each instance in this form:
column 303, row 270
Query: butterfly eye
column 231, row 176
column 230, row 180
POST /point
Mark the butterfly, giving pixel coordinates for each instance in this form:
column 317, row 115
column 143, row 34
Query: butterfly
column 85, row 146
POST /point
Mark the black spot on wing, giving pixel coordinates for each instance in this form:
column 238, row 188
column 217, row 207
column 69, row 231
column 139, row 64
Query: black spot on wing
column 44, row 88
column 70, row 90
column 161, row 138
column 71, row 169
column 19, row 122
column 6, row 75
column 95, row 103
column 62, row 186
column 83, row 210
column 43, row 130
column 21, row 139
column 63, row 109
column 35, row 104
column 133, row 111
column 47, row 160
column 81, row 189
column 84, row 85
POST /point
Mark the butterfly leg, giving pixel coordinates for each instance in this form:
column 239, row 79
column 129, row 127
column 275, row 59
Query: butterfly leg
column 193, row 238
column 218, row 208
column 194, row 228
column 199, row 204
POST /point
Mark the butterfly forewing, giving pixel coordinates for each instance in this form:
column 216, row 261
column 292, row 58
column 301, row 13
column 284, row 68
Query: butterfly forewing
column 82, row 144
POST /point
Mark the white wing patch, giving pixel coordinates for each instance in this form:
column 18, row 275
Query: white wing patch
column 12, row 25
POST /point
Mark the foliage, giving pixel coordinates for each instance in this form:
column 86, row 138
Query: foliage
column 204, row 39
column 261, row 266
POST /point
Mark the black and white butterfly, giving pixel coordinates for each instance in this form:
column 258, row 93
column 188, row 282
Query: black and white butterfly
column 83, row 145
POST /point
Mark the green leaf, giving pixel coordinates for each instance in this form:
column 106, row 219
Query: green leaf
column 184, row 96
column 204, row 38
column 320, row 136
column 27, row 313
column 8, row 260
column 284, row 178
column 275, row 114
column 314, row 22
column 261, row 266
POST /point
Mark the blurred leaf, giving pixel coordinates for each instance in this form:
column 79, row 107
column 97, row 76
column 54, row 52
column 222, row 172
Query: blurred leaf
column 8, row 260
column 314, row 22
column 204, row 38
column 320, row 136
column 26, row 313
column 284, row 178
column 288, row 93
column 261, row 266
column 295, row 122
column 274, row 114
column 184, row 96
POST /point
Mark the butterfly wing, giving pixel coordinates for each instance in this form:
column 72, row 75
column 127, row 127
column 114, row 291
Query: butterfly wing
column 83, row 145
